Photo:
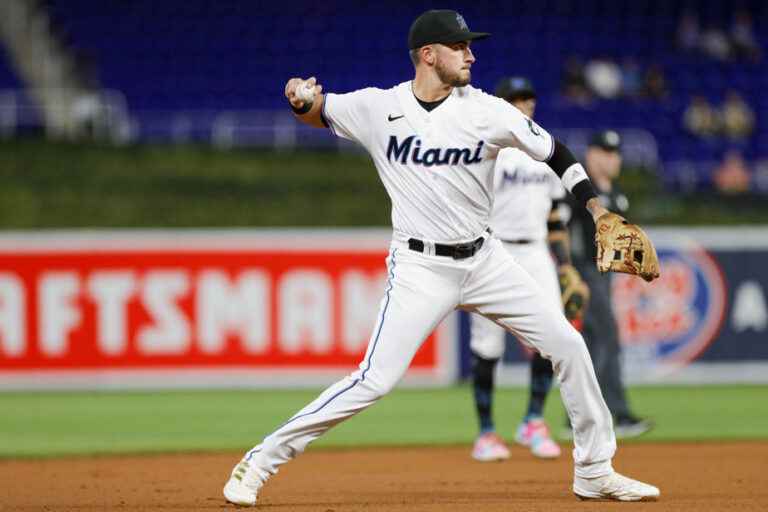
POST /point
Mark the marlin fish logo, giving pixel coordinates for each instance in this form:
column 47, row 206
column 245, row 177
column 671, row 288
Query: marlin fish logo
column 461, row 22
column 533, row 127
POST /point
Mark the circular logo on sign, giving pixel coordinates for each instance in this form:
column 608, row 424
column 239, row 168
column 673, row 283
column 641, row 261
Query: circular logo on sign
column 671, row 321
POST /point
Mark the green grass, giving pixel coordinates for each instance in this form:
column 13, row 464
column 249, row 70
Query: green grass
column 48, row 424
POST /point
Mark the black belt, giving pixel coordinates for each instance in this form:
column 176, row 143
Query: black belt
column 457, row 252
column 520, row 241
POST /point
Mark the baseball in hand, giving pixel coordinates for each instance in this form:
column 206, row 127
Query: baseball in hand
column 305, row 92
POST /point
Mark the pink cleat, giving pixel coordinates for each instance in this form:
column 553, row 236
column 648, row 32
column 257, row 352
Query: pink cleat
column 534, row 433
column 490, row 447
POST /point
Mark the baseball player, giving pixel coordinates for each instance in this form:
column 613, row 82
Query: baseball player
column 525, row 218
column 434, row 141
column 603, row 159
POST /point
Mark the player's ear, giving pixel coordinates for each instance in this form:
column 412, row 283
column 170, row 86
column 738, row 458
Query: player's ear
column 429, row 54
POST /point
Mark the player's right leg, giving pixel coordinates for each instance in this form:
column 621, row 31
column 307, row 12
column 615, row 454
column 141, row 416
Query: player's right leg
column 419, row 294
column 487, row 346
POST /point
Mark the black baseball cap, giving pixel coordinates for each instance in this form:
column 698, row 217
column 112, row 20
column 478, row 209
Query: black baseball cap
column 608, row 140
column 440, row 26
column 513, row 88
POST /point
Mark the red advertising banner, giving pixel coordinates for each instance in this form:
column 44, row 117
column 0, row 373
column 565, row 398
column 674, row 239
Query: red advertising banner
column 114, row 305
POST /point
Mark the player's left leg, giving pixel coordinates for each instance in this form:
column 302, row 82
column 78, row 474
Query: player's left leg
column 602, row 336
column 501, row 290
column 487, row 346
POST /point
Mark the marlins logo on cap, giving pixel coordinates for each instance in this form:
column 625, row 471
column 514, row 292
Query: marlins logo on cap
column 461, row 22
column 440, row 26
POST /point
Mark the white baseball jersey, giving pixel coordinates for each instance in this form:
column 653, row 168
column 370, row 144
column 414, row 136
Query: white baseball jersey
column 440, row 179
column 525, row 190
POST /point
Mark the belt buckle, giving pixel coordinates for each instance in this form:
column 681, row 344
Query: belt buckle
column 463, row 251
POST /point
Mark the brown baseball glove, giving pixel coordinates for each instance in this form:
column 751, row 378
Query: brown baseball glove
column 574, row 292
column 624, row 247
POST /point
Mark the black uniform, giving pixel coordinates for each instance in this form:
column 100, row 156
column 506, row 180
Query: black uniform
column 600, row 330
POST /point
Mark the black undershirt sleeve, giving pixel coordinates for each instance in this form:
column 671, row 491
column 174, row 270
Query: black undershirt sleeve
column 560, row 161
column 584, row 191
column 322, row 115
column 561, row 158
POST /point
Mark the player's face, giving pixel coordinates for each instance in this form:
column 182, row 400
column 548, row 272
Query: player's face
column 452, row 63
column 604, row 163
column 526, row 106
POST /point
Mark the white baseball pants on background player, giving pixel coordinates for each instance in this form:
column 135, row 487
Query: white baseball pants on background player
column 421, row 290
column 488, row 338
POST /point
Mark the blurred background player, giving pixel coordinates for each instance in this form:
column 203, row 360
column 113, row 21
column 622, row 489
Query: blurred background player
column 524, row 217
column 603, row 161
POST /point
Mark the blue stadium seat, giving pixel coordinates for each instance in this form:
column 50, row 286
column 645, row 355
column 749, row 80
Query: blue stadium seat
column 234, row 54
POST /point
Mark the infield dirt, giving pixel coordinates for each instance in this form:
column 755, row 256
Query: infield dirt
column 697, row 477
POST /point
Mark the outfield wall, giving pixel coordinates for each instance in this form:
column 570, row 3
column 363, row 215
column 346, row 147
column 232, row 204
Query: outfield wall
column 145, row 309
column 288, row 308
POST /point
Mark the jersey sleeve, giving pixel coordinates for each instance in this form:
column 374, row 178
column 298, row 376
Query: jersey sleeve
column 349, row 115
column 510, row 127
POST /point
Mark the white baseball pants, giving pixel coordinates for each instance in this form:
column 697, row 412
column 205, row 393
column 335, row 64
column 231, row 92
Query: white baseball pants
column 421, row 290
column 486, row 337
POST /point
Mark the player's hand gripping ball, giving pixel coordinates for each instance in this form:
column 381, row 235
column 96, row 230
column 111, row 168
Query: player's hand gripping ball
column 302, row 92
column 624, row 247
column 574, row 292
column 306, row 92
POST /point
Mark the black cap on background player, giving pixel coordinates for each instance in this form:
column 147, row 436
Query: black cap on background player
column 608, row 140
column 440, row 26
column 513, row 88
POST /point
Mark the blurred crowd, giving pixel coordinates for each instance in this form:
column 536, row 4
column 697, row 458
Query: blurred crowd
column 736, row 176
column 732, row 176
column 734, row 119
column 604, row 78
column 609, row 78
column 738, row 42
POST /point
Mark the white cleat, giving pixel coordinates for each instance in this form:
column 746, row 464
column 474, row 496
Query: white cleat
column 243, row 485
column 614, row 487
